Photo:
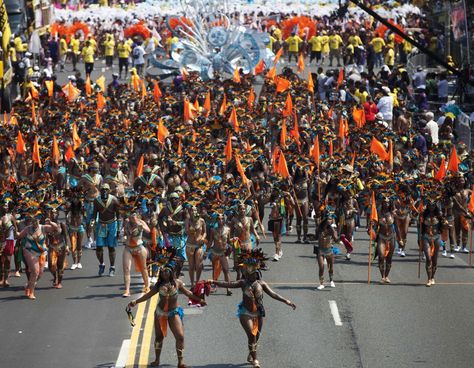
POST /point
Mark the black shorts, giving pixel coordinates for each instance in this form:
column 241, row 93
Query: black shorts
column 123, row 62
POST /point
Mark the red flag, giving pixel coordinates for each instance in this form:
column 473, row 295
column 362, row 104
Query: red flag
column 282, row 166
column 278, row 55
column 288, row 110
column 453, row 163
column 340, row 78
column 378, row 148
column 88, row 86
column 36, row 155
column 162, row 132
column 100, row 101
column 141, row 163
column 233, row 120
column 260, row 67
column 236, row 76
column 20, row 144
column 223, row 105
column 442, row 170
column 69, row 154
column 281, row 84
column 157, row 92
column 310, row 82
column 301, row 63
column 228, row 149
column 55, row 151
column 251, row 99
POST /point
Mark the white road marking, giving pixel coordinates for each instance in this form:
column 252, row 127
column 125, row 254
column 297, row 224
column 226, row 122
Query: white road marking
column 192, row 311
column 122, row 358
column 335, row 313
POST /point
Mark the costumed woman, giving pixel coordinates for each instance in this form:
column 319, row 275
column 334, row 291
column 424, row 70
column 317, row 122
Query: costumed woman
column 58, row 249
column 327, row 232
column 404, row 207
column 219, row 246
column 34, row 250
column 275, row 223
column 196, row 229
column 302, row 191
column 168, row 312
column 8, row 228
column 135, row 251
column 76, row 229
column 251, row 310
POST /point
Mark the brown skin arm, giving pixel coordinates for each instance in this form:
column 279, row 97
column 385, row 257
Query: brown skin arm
column 230, row 285
column 276, row 296
column 145, row 297
column 187, row 292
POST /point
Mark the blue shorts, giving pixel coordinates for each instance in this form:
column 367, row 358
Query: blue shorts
column 106, row 234
column 178, row 242
column 89, row 208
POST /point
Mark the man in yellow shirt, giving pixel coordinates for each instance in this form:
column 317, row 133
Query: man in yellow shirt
column 272, row 40
column 124, row 51
column 75, row 46
column 390, row 57
column 88, row 57
column 293, row 43
column 316, row 48
column 335, row 43
column 62, row 51
column 109, row 49
column 325, row 45
column 170, row 44
column 378, row 44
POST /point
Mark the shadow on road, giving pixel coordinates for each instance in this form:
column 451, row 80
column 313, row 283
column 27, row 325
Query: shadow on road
column 96, row 296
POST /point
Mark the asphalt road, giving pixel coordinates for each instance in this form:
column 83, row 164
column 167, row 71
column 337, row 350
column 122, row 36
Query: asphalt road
column 404, row 324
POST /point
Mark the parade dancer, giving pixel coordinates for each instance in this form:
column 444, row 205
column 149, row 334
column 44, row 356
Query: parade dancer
column 275, row 223
column 58, row 250
column 135, row 252
column 76, row 230
column 8, row 228
column 403, row 207
column 302, row 192
column 461, row 225
column 447, row 205
column 106, row 207
column 196, row 230
column 385, row 240
column 168, row 312
column 327, row 231
column 90, row 184
column 251, row 310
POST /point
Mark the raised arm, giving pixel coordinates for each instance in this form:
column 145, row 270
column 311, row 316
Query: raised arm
column 188, row 293
column 230, row 285
column 276, row 296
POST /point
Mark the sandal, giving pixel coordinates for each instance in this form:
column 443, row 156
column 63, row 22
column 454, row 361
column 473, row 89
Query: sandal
column 250, row 358
column 256, row 363
column 155, row 364
column 229, row 293
column 126, row 294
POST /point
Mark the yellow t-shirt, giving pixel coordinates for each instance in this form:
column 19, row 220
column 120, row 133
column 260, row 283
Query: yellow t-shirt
column 270, row 44
column 355, row 41
column 75, row 44
column 62, row 46
column 88, row 54
column 407, row 47
column 93, row 43
column 378, row 44
column 390, row 57
column 18, row 44
column 171, row 41
column 315, row 43
column 335, row 41
column 325, row 44
column 277, row 34
column 12, row 54
column 124, row 50
column 109, row 47
column 293, row 43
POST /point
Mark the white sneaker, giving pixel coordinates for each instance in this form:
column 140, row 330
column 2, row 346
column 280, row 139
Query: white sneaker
column 402, row 253
column 457, row 249
column 74, row 266
column 465, row 250
column 79, row 266
column 451, row 255
column 280, row 254
column 444, row 254
column 320, row 287
column 332, row 284
column 93, row 246
column 153, row 280
column 399, row 251
column 348, row 256
column 276, row 258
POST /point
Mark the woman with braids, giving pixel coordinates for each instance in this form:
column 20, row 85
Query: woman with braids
column 432, row 225
column 302, row 191
column 168, row 312
column 385, row 239
column 251, row 310
column 76, row 227
column 327, row 231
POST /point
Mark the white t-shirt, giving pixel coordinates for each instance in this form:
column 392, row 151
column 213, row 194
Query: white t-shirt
column 385, row 107
column 433, row 128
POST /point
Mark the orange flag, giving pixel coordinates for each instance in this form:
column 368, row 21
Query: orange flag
column 278, row 55
column 378, row 148
column 143, row 95
column 207, row 103
column 295, row 132
column 390, row 153
column 281, row 84
column 340, row 78
column 283, row 135
column 301, row 63
column 20, row 144
column 271, row 73
column 13, row 120
column 162, row 132
column 55, row 151
column 223, row 105
column 470, row 206
column 180, row 147
column 33, row 113
column 69, row 154
column 310, row 82
column 282, row 166
column 331, row 149
column 275, row 154
column 228, row 149
column 5, row 119
column 241, row 170
column 288, row 110
column 251, row 99
column 49, row 87
column 260, row 67
column 342, row 132
column 157, row 92
column 233, row 120
column 453, row 163
column 359, row 117
column 75, row 138
column 189, row 109
column 353, row 160
column 36, row 155
column 315, row 151
column 34, row 92
column 71, row 92
column 100, row 101
column 442, row 170
column 101, row 83
column 374, row 217
column 97, row 119
column 141, row 163
column 196, row 104
column 88, row 86
column 236, row 76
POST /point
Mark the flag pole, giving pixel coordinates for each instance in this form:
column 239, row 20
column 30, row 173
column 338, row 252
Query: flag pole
column 470, row 245
column 420, row 242
column 370, row 256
